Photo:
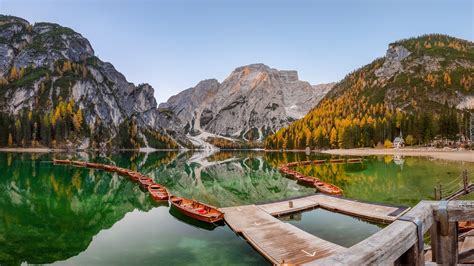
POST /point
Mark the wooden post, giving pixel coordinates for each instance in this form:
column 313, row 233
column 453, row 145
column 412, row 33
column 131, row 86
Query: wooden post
column 434, row 241
column 435, row 194
column 446, row 245
column 464, row 179
column 290, row 204
column 413, row 256
column 440, row 191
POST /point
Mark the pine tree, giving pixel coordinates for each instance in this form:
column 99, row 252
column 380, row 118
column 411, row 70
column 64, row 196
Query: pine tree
column 333, row 138
column 10, row 140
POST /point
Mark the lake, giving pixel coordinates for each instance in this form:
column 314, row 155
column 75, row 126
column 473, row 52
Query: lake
column 56, row 214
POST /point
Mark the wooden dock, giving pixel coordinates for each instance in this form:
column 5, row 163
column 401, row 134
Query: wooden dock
column 282, row 242
column 277, row 241
column 367, row 211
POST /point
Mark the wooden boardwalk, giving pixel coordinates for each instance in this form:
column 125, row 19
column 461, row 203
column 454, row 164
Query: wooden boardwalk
column 367, row 211
column 282, row 242
column 277, row 241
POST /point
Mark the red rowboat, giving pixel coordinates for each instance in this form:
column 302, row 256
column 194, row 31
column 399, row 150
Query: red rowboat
column 355, row 160
column 307, row 180
column 93, row 165
column 465, row 226
column 122, row 171
column 197, row 210
column 61, row 161
column 109, row 168
column 327, row 188
column 79, row 163
column 319, row 161
column 145, row 181
column 135, row 176
column 158, row 192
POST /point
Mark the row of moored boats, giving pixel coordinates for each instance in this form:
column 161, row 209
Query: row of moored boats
column 188, row 207
column 310, row 181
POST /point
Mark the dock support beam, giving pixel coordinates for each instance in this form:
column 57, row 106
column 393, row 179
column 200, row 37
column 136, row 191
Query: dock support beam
column 413, row 256
column 445, row 242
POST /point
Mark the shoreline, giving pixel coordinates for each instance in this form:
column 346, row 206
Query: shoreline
column 451, row 155
column 30, row 150
column 443, row 154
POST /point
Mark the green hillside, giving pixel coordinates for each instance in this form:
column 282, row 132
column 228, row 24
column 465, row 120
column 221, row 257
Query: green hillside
column 423, row 87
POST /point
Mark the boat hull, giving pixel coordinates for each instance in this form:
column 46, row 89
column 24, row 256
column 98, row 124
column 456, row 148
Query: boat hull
column 327, row 188
column 188, row 212
column 158, row 192
column 61, row 161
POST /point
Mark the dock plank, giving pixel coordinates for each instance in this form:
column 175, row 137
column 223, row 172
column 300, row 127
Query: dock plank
column 283, row 207
column 368, row 211
column 276, row 240
column 282, row 242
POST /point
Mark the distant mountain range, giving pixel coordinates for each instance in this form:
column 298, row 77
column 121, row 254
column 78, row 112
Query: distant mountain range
column 55, row 92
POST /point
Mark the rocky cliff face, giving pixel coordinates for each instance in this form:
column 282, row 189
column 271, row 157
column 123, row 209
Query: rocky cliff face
column 254, row 101
column 44, row 64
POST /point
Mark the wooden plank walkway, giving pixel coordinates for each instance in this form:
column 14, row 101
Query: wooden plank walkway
column 282, row 242
column 278, row 241
column 367, row 211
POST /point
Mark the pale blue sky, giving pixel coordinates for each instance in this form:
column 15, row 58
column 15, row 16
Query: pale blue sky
column 174, row 44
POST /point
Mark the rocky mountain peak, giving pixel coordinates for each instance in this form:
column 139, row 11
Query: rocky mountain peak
column 44, row 67
column 253, row 101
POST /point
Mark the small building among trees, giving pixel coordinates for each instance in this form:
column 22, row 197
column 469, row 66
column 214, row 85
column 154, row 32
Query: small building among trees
column 398, row 142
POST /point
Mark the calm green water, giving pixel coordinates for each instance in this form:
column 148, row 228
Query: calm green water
column 67, row 215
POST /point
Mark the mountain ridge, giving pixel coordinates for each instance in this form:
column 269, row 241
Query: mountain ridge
column 417, row 88
column 55, row 92
column 253, row 101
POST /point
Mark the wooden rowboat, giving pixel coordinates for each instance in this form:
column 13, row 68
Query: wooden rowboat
column 465, row 226
column 79, row 163
column 93, row 165
column 123, row 171
column 108, row 168
column 196, row 210
column 56, row 161
column 327, row 188
column 283, row 169
column 158, row 192
column 306, row 180
column 319, row 161
column 354, row 160
column 336, row 160
column 145, row 181
column 291, row 174
column 135, row 176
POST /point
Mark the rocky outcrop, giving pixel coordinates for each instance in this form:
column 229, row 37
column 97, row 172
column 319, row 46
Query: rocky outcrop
column 393, row 61
column 254, row 101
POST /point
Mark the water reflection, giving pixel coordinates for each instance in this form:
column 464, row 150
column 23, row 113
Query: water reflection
column 53, row 213
column 42, row 204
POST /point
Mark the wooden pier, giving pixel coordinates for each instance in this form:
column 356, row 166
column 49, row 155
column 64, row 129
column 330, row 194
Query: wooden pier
column 282, row 242
column 277, row 241
column 367, row 211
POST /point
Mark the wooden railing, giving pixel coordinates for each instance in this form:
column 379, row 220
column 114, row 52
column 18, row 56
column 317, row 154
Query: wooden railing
column 401, row 243
column 455, row 188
